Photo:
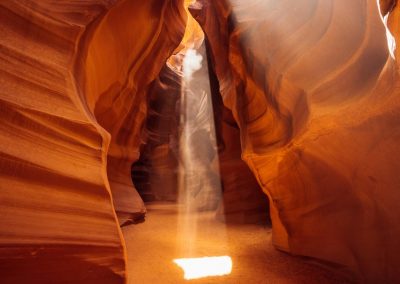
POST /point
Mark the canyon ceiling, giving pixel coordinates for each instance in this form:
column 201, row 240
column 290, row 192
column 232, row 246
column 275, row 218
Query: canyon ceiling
column 308, row 96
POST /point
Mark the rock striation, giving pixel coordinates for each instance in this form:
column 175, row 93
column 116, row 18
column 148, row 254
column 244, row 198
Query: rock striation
column 74, row 75
column 315, row 96
column 120, row 65
column 155, row 174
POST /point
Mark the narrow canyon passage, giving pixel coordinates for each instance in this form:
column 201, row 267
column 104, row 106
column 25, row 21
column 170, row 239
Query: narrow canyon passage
column 199, row 141
column 190, row 221
column 153, row 245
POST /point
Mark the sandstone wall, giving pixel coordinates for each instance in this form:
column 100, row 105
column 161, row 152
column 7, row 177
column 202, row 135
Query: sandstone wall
column 155, row 175
column 73, row 79
column 315, row 96
column 124, row 56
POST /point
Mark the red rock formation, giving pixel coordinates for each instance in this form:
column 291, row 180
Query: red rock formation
column 119, row 70
column 74, row 75
column 243, row 200
column 319, row 117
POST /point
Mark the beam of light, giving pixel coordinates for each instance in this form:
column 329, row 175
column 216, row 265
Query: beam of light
column 200, row 182
column 191, row 63
column 391, row 41
column 200, row 189
column 195, row 268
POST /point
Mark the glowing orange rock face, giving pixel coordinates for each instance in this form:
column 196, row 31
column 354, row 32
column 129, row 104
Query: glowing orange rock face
column 315, row 95
column 120, row 65
column 73, row 81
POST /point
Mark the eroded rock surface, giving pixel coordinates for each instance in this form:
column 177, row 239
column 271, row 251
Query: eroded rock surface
column 73, row 80
column 315, row 96
column 124, row 56
column 155, row 174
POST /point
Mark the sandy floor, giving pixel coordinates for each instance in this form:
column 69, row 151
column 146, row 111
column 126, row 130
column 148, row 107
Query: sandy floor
column 166, row 235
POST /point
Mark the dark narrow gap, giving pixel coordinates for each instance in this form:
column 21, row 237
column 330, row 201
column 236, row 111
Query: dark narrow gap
column 155, row 173
column 257, row 207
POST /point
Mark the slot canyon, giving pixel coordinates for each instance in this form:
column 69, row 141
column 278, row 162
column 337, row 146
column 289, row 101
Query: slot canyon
column 199, row 141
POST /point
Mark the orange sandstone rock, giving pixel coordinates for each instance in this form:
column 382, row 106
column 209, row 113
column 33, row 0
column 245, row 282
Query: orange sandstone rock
column 318, row 113
column 74, row 75
column 120, row 65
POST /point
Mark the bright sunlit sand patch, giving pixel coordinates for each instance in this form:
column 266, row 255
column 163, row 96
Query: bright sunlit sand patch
column 201, row 267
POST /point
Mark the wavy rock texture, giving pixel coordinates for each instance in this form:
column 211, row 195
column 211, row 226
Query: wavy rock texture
column 318, row 113
column 243, row 200
column 155, row 174
column 119, row 69
column 73, row 79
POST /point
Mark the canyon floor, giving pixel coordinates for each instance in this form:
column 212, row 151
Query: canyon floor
column 168, row 233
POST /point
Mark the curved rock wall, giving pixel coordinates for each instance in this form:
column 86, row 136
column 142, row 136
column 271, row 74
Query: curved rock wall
column 155, row 175
column 319, row 117
column 73, row 79
column 243, row 200
column 120, row 66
